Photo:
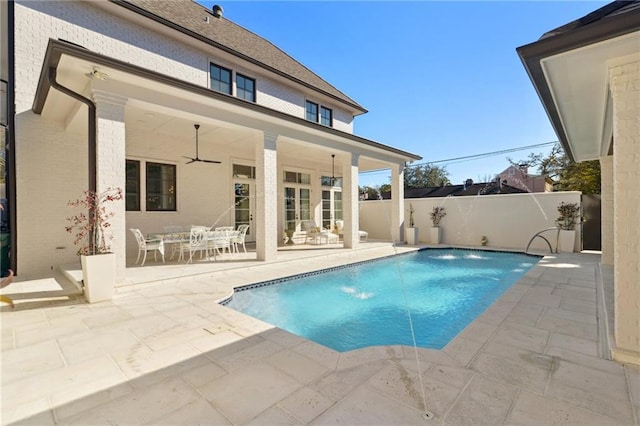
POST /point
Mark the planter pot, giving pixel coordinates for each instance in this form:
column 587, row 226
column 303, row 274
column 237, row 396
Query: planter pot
column 566, row 241
column 435, row 235
column 98, row 276
column 412, row 236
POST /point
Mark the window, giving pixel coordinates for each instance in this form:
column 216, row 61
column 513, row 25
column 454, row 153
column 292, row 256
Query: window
column 132, row 186
column 329, row 181
column 161, row 187
column 220, row 79
column 294, row 177
column 245, row 88
column 326, row 116
column 312, row 111
column 242, row 171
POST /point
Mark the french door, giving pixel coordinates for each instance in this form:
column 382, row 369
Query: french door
column 297, row 207
column 331, row 207
column 244, row 202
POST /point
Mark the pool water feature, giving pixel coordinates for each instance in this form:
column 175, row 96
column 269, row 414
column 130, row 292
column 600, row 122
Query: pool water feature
column 365, row 305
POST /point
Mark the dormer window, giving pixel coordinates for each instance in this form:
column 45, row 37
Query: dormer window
column 319, row 114
column 220, row 79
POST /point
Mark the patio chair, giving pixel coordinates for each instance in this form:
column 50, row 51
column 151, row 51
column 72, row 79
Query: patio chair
column 145, row 245
column 218, row 241
column 197, row 242
column 362, row 235
column 318, row 235
column 239, row 238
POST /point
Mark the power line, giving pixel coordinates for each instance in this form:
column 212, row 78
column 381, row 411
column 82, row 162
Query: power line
column 474, row 157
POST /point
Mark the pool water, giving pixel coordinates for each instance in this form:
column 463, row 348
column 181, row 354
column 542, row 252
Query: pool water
column 367, row 304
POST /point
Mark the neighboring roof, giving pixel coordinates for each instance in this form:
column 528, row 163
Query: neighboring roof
column 188, row 17
column 568, row 68
column 485, row 188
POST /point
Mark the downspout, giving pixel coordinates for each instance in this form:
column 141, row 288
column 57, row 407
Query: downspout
column 92, row 132
column 11, row 142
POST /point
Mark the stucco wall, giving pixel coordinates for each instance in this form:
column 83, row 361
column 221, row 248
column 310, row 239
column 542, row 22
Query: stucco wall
column 625, row 91
column 508, row 221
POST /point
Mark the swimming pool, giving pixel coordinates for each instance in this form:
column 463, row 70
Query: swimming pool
column 366, row 304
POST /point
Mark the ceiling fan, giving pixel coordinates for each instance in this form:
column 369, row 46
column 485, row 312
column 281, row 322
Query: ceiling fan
column 197, row 126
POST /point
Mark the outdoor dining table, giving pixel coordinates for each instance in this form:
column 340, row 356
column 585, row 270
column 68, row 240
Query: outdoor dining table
column 184, row 237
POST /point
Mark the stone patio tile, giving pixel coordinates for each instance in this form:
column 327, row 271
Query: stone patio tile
column 582, row 282
column 430, row 356
column 519, row 373
column 589, row 380
column 570, row 327
column 220, row 342
column 199, row 375
column 142, row 406
column 106, row 316
column 67, row 404
column 303, row 369
column 366, row 355
column 579, row 305
column 148, row 367
column 536, row 410
column 365, row 406
column 525, row 314
column 305, row 404
column 571, row 315
column 339, row 383
column 463, row 350
column 7, row 341
column 586, row 361
column 243, row 394
column 283, row 338
column 633, row 378
column 197, row 412
column 478, row 331
column 78, row 348
column 614, row 405
column 49, row 331
column 575, row 344
column 542, row 298
column 320, row 354
column 483, row 402
column 247, row 356
column 35, row 412
column 91, row 374
column 520, row 355
column 458, row 377
column 29, row 361
column 575, row 292
column 521, row 336
column 274, row 416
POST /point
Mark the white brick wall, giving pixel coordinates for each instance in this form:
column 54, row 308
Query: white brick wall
column 52, row 160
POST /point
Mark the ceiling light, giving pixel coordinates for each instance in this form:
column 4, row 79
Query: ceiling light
column 96, row 75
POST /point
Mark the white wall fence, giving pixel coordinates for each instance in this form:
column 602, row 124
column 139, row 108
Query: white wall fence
column 508, row 221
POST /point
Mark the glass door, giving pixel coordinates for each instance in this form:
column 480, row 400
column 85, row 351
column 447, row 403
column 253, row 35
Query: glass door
column 245, row 207
column 297, row 207
column 331, row 207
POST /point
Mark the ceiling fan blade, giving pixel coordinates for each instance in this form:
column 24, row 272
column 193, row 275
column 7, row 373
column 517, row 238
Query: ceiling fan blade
column 212, row 161
column 192, row 160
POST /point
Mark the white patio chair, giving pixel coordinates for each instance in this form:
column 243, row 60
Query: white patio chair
column 239, row 238
column 145, row 246
column 197, row 242
column 362, row 235
column 218, row 241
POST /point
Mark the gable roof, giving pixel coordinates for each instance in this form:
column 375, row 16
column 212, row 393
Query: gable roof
column 189, row 17
column 483, row 188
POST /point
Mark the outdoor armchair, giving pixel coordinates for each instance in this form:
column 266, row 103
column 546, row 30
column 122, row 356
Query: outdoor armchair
column 145, row 245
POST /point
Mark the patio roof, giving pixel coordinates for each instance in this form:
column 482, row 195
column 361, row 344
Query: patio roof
column 72, row 62
column 569, row 66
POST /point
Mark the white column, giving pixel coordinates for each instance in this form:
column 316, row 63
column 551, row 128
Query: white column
column 397, row 203
column 110, row 168
column 606, row 210
column 350, row 199
column 266, row 221
column 625, row 91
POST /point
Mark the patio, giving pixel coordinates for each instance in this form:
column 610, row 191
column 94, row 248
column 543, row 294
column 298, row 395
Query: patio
column 165, row 352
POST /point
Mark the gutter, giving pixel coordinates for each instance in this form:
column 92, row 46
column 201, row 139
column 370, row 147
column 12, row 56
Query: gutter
column 51, row 76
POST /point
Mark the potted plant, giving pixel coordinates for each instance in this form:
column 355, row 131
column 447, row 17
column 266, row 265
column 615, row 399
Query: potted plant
column 566, row 222
column 412, row 231
column 437, row 213
column 98, row 263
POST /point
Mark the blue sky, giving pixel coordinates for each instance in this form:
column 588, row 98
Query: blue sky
column 440, row 79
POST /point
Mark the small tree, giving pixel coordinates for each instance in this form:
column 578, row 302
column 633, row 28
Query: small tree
column 436, row 215
column 568, row 218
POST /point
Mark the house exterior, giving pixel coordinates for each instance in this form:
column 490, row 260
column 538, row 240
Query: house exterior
column 587, row 74
column 107, row 93
column 519, row 177
column 469, row 188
